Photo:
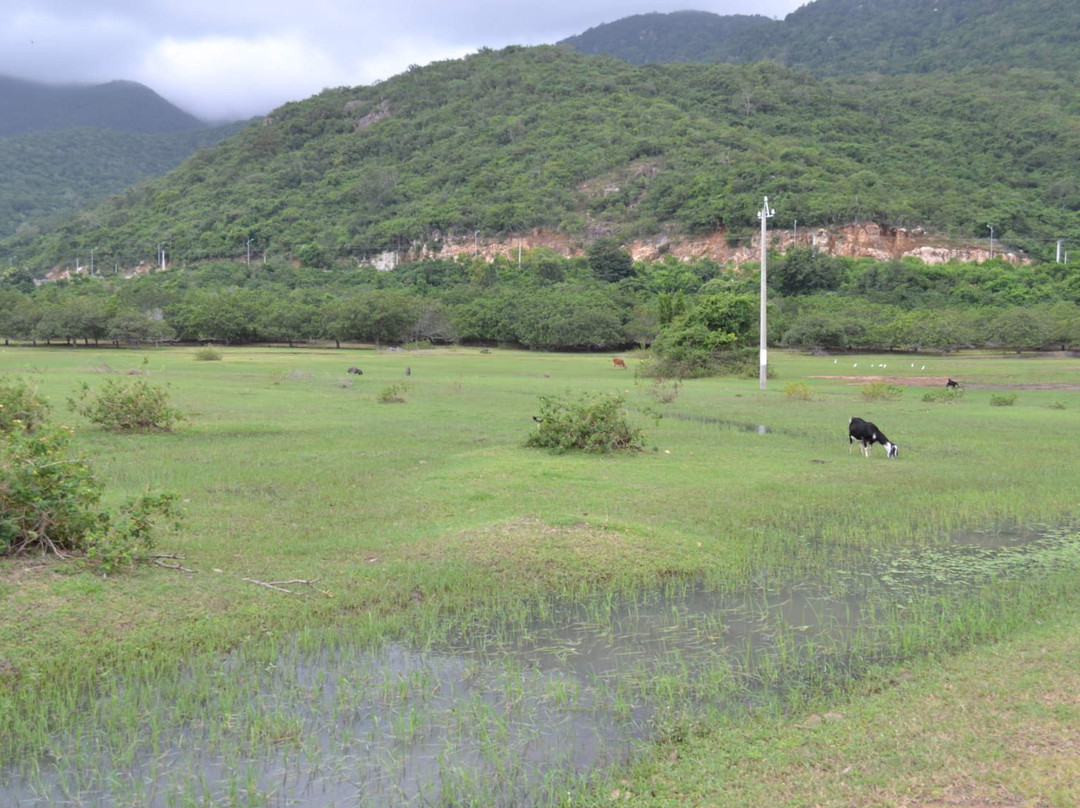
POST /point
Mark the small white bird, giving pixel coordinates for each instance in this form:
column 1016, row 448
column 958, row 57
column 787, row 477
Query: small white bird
column 855, row 365
column 835, row 361
column 923, row 367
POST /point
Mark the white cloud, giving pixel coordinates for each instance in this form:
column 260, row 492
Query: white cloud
column 259, row 73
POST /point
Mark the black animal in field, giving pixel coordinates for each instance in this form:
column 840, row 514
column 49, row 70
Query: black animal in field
column 356, row 371
column 952, row 384
column 867, row 434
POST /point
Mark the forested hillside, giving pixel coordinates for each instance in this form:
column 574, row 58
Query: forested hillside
column 679, row 36
column 64, row 147
column 121, row 106
column 51, row 174
column 505, row 142
column 855, row 37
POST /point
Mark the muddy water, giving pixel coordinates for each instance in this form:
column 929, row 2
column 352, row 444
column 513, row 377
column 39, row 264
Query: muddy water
column 500, row 716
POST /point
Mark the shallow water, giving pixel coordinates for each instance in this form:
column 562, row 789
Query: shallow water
column 500, row 715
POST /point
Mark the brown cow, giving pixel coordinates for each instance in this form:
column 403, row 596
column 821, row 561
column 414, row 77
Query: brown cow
column 618, row 363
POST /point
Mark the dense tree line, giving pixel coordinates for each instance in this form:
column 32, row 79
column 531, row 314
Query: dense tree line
column 699, row 317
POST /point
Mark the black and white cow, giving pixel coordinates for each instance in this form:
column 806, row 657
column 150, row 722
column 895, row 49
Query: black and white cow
column 868, row 434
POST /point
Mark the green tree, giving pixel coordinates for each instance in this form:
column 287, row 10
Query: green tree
column 609, row 261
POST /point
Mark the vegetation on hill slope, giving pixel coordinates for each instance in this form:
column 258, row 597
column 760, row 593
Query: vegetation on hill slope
column 504, row 142
column 855, row 37
column 679, row 36
column 50, row 174
column 121, row 106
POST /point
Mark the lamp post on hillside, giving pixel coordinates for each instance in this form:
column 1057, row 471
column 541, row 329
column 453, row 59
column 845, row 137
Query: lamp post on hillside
column 764, row 214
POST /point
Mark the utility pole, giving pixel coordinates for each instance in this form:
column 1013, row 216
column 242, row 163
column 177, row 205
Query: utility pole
column 249, row 253
column 991, row 240
column 475, row 243
column 1060, row 241
column 764, row 214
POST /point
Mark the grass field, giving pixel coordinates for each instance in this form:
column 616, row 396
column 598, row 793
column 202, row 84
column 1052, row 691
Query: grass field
column 404, row 514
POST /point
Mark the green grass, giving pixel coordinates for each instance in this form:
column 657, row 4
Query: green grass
column 406, row 514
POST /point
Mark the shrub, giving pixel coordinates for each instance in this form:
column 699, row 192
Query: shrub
column 48, row 500
column 20, row 406
column 135, row 406
column 128, row 536
column 799, row 391
column 394, row 394
column 50, row 503
column 1003, row 400
column 943, row 395
column 594, row 423
column 1057, row 405
column 208, row 354
column 664, row 391
column 879, row 391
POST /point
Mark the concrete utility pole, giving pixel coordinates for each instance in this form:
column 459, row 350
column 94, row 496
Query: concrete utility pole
column 1060, row 241
column 764, row 214
column 991, row 240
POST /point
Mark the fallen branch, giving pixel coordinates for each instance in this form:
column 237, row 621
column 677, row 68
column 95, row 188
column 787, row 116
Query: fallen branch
column 157, row 561
column 280, row 585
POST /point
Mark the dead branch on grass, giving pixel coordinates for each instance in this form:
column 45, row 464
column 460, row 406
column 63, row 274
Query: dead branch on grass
column 158, row 562
column 280, row 585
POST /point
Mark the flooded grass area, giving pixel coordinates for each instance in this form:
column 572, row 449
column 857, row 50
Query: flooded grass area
column 525, row 709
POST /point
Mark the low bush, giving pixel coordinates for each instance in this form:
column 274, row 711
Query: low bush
column 799, row 391
column 1003, row 400
column 394, row 394
column 590, row 423
column 50, row 502
column 136, row 406
column 20, row 406
column 943, row 395
column 879, row 391
column 208, row 354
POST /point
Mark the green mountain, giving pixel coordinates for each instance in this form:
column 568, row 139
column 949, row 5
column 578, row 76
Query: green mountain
column 52, row 174
column 840, row 37
column 63, row 147
column 501, row 143
column 680, row 36
column 123, row 106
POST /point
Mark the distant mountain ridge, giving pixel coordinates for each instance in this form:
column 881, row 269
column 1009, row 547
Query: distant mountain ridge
column 846, row 37
column 124, row 106
column 678, row 36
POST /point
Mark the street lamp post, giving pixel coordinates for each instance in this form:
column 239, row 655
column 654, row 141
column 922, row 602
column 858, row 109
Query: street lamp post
column 764, row 214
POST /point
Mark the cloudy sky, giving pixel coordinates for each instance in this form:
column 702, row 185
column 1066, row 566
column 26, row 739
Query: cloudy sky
column 230, row 59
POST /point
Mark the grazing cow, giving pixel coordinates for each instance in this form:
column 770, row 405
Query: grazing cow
column 951, row 383
column 356, row 371
column 868, row 434
column 618, row 363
